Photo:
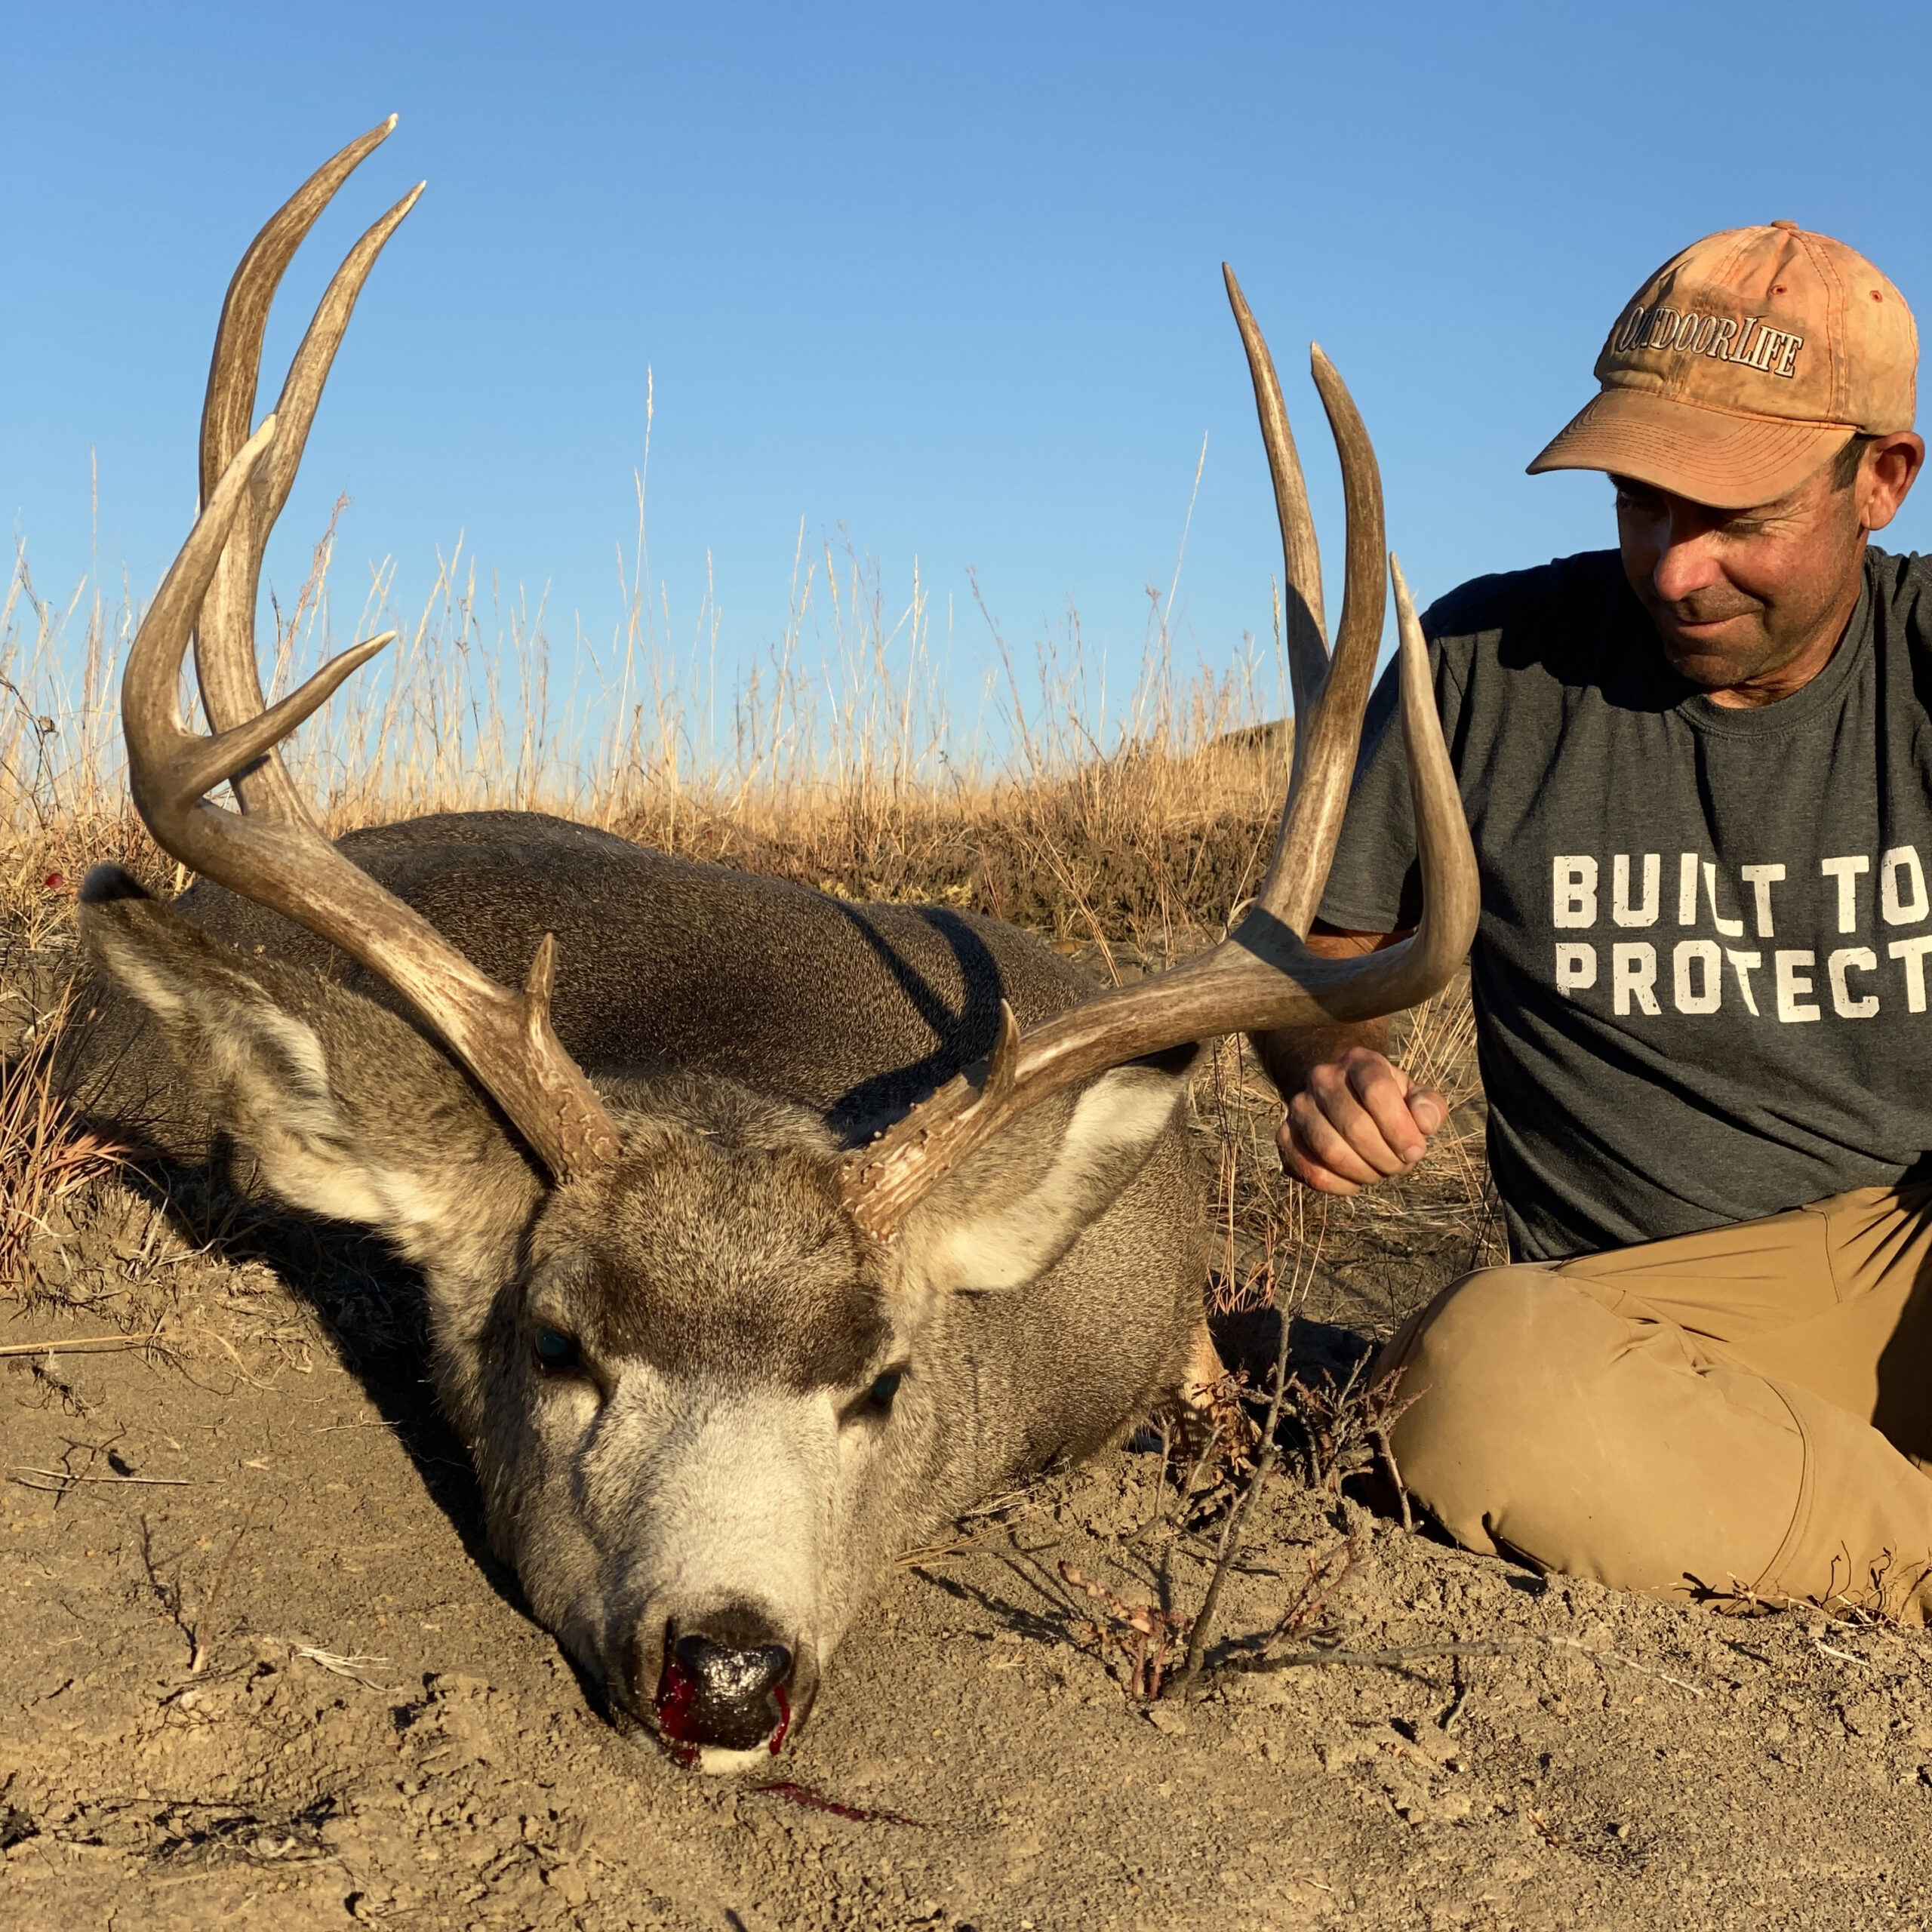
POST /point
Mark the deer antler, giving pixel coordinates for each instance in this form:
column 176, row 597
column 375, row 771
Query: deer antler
column 272, row 851
column 1261, row 976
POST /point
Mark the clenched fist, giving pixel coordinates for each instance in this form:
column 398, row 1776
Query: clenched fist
column 1355, row 1120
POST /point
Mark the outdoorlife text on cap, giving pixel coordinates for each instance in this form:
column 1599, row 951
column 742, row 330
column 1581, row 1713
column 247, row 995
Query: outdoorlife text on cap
column 1743, row 364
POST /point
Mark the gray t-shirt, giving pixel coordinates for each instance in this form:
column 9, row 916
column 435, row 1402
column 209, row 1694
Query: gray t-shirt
column 1700, row 975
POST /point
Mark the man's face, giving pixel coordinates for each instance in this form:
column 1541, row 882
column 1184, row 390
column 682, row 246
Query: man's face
column 1744, row 600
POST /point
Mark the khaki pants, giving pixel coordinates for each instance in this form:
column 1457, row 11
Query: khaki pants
column 1747, row 1411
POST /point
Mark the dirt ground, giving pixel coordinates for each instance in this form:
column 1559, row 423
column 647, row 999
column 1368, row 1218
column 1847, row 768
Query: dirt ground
column 261, row 1671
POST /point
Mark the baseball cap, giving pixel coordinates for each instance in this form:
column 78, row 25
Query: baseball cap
column 1742, row 364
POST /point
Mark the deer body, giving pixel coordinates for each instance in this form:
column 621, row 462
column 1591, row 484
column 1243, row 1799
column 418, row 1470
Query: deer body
column 662, row 962
column 761, row 1233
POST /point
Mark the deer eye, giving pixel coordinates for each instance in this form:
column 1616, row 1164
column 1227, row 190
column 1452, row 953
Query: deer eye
column 555, row 1349
column 875, row 1404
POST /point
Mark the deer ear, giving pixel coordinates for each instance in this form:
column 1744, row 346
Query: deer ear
column 346, row 1110
column 1016, row 1205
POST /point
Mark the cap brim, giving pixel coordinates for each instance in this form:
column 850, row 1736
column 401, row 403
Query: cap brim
column 1730, row 462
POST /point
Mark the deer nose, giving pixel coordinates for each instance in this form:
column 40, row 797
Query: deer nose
column 721, row 1696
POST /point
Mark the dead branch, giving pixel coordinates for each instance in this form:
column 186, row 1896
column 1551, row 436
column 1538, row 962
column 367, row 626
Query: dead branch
column 1381, row 1411
column 1147, row 1633
column 1264, row 1466
column 1327, row 1575
column 61, row 1480
column 1350, row 1426
column 87, row 1345
column 1396, row 1655
column 201, row 1638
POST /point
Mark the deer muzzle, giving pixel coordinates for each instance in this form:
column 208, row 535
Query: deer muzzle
column 720, row 1693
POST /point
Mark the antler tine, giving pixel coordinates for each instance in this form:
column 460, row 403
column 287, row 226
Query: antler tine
column 1303, row 616
column 302, row 388
column 150, row 718
column 279, row 859
column 226, row 666
column 170, row 767
column 1452, row 885
column 1325, row 745
column 230, row 401
column 1262, row 976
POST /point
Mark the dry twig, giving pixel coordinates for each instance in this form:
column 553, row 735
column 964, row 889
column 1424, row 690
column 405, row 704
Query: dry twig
column 1147, row 1635
column 353, row 1668
column 1327, row 1576
column 1381, row 1411
column 1395, row 1656
column 59, row 1482
column 1264, row 1466
column 87, row 1345
column 200, row 1637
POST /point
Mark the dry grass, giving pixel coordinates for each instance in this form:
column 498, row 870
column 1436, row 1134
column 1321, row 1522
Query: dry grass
column 834, row 759
column 1126, row 830
column 43, row 1157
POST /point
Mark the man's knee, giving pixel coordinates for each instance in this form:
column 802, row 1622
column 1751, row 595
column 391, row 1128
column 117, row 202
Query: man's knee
column 1498, row 1371
column 1511, row 1336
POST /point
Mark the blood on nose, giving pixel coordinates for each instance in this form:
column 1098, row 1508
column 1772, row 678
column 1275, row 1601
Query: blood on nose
column 723, row 1697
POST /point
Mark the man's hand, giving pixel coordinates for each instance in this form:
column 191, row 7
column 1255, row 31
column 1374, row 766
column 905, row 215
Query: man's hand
column 1353, row 1118
column 1356, row 1120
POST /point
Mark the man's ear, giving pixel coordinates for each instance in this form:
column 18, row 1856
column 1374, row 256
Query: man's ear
column 1885, row 477
column 1014, row 1208
column 346, row 1110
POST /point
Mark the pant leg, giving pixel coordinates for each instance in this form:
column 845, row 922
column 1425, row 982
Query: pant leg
column 1835, row 1297
column 1563, row 1416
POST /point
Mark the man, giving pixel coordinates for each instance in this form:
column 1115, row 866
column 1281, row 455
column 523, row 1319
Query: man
column 1698, row 769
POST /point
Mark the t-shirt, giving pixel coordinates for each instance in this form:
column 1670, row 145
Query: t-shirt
column 1701, row 971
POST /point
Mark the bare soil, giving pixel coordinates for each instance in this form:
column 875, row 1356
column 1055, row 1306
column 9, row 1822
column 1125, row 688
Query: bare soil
column 261, row 1671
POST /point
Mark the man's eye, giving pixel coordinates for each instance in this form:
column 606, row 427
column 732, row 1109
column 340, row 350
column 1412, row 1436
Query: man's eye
column 555, row 1349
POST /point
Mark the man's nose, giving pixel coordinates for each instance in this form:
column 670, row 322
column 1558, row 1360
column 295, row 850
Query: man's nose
column 1685, row 565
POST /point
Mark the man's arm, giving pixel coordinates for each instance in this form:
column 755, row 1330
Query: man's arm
column 1353, row 1118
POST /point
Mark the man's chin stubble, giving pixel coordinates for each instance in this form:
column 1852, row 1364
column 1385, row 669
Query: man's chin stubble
column 1709, row 664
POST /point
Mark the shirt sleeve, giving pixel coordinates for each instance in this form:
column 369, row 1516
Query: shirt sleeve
column 1375, row 883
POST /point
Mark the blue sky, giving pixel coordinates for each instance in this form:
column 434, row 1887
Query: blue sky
column 945, row 278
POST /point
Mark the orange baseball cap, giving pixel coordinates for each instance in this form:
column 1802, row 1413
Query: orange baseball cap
column 1742, row 364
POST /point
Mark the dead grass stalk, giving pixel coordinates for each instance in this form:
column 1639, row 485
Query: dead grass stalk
column 44, row 1156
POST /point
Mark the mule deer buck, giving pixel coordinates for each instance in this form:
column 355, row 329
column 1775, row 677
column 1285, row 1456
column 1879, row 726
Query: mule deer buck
column 762, row 1234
